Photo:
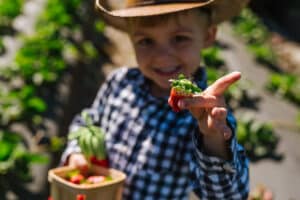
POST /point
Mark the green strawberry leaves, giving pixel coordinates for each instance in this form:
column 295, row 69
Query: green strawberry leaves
column 185, row 85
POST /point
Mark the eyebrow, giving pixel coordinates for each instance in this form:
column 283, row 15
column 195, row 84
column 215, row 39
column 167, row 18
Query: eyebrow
column 184, row 30
column 139, row 33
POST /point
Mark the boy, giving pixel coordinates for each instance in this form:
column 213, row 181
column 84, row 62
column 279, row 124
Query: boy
column 165, row 154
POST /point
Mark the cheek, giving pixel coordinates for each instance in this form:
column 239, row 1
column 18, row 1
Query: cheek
column 191, row 52
column 191, row 57
column 143, row 56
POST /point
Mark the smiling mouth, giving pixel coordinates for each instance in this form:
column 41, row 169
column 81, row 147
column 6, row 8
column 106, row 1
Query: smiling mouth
column 168, row 71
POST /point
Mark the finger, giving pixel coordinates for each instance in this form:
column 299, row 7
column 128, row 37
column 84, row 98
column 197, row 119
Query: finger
column 199, row 101
column 219, row 113
column 78, row 161
column 221, row 127
column 267, row 195
column 223, row 83
column 227, row 132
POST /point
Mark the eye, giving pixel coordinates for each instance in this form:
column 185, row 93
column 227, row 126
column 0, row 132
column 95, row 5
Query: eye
column 181, row 38
column 144, row 42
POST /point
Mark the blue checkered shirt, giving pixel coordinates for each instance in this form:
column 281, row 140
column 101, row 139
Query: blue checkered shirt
column 158, row 149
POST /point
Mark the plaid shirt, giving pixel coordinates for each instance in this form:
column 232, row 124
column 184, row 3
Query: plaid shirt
column 158, row 149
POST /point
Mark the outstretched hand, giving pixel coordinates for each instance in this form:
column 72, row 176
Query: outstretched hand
column 210, row 110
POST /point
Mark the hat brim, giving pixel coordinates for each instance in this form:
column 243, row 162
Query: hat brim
column 222, row 10
column 151, row 10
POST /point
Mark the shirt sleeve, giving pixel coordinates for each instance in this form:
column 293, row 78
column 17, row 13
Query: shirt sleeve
column 95, row 112
column 215, row 178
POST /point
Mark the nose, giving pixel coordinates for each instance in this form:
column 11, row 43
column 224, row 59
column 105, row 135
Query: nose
column 165, row 56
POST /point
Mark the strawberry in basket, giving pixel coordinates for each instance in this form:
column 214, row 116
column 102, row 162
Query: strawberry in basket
column 181, row 88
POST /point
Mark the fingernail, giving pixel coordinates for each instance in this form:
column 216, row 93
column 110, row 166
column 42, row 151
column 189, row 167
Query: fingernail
column 181, row 104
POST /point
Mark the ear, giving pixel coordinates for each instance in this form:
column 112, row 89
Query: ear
column 211, row 35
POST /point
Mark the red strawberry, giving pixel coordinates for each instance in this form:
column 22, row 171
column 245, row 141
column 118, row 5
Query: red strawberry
column 175, row 96
column 80, row 197
column 181, row 88
column 95, row 179
column 77, row 178
column 101, row 163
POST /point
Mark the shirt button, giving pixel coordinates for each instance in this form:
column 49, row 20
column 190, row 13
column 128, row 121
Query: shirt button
column 227, row 167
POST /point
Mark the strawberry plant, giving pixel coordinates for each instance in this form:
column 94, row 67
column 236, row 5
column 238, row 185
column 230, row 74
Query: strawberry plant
column 285, row 85
column 91, row 140
column 258, row 139
column 252, row 29
column 211, row 57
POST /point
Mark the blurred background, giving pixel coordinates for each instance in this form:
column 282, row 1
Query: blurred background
column 55, row 54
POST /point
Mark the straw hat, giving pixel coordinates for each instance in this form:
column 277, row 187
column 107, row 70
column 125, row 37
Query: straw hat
column 221, row 9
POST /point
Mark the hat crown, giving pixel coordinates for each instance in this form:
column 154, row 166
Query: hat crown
column 137, row 3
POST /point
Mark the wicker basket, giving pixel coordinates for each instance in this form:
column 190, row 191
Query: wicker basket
column 62, row 189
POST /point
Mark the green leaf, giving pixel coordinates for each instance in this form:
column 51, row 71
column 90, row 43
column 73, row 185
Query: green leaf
column 72, row 173
column 36, row 158
column 37, row 104
column 10, row 137
column 80, row 131
column 5, row 150
column 99, row 26
column 184, row 85
column 10, row 8
column 90, row 50
column 56, row 143
column 86, row 118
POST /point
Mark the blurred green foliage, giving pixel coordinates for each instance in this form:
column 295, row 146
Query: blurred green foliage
column 15, row 162
column 213, row 63
column 211, row 57
column 258, row 139
column 43, row 58
column 58, row 44
column 285, row 85
column 2, row 47
column 9, row 9
column 15, row 102
column 256, row 35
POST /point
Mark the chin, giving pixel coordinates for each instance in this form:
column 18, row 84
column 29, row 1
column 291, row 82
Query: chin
column 163, row 87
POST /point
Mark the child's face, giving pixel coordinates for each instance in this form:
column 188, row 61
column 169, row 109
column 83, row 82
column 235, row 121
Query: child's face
column 164, row 50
